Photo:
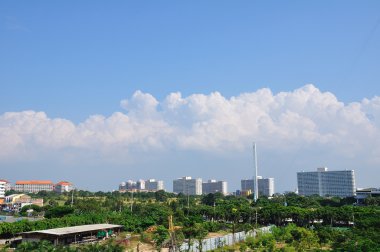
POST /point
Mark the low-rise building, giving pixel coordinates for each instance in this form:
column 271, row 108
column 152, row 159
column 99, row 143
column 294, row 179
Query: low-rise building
column 73, row 235
column 363, row 193
column 14, row 202
column 7, row 184
column 34, row 186
column 2, row 189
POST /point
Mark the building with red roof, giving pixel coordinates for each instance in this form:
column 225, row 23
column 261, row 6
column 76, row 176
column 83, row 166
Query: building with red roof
column 33, row 186
column 63, row 186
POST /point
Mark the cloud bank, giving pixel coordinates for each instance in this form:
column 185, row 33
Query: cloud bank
column 303, row 118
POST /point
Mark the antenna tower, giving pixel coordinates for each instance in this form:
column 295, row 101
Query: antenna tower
column 256, row 193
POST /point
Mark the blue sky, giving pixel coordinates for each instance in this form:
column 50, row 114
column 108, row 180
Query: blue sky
column 75, row 59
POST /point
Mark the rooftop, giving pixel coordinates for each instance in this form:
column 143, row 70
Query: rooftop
column 64, row 183
column 33, row 182
column 75, row 229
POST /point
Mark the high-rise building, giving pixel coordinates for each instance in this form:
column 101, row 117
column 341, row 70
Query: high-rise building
column 265, row 186
column 141, row 185
column 213, row 186
column 188, row 186
column 326, row 183
column 247, row 185
column 154, row 185
column 63, row 186
column 33, row 186
column 122, row 187
column 128, row 185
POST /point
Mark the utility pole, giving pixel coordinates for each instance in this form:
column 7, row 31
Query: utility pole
column 188, row 198
column 72, row 198
column 132, row 203
column 172, row 246
column 256, row 219
column 256, row 193
column 213, row 219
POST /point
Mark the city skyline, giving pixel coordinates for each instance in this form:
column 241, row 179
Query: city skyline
column 133, row 89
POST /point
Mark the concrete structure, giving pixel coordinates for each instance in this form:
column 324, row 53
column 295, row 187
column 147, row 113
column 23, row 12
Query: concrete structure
column 14, row 202
column 7, row 184
column 188, row 186
column 363, row 193
column 247, row 185
column 72, row 235
column 2, row 189
column 326, row 183
column 150, row 185
column 63, row 186
column 140, row 184
column 265, row 186
column 213, row 186
column 154, row 185
column 33, row 186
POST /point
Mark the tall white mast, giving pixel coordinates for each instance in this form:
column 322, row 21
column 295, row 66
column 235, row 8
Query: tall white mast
column 256, row 193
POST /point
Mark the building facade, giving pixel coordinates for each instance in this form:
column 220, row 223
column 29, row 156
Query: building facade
column 154, row 185
column 326, row 183
column 15, row 202
column 140, row 184
column 213, row 186
column 265, row 186
column 7, row 184
column 63, row 186
column 33, row 186
column 2, row 189
column 150, row 185
column 188, row 186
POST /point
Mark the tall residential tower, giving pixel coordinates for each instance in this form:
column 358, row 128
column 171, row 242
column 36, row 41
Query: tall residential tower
column 188, row 186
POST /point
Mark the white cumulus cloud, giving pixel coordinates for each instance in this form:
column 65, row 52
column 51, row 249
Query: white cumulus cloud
column 301, row 118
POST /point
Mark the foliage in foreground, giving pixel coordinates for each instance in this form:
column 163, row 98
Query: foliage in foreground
column 48, row 247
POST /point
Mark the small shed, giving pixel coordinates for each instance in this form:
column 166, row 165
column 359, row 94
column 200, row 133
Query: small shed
column 72, row 235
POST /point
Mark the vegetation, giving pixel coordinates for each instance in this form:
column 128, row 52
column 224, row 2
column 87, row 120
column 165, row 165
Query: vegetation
column 301, row 223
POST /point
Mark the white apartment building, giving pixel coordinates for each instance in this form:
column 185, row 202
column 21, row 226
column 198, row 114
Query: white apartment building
column 7, row 185
column 33, row 186
column 326, row 183
column 265, row 186
column 154, row 185
column 2, row 189
column 188, row 186
column 213, row 186
column 142, row 185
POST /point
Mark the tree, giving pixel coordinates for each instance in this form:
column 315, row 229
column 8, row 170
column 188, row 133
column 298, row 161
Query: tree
column 160, row 236
column 200, row 234
column 161, row 196
column 33, row 207
column 211, row 198
column 58, row 211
